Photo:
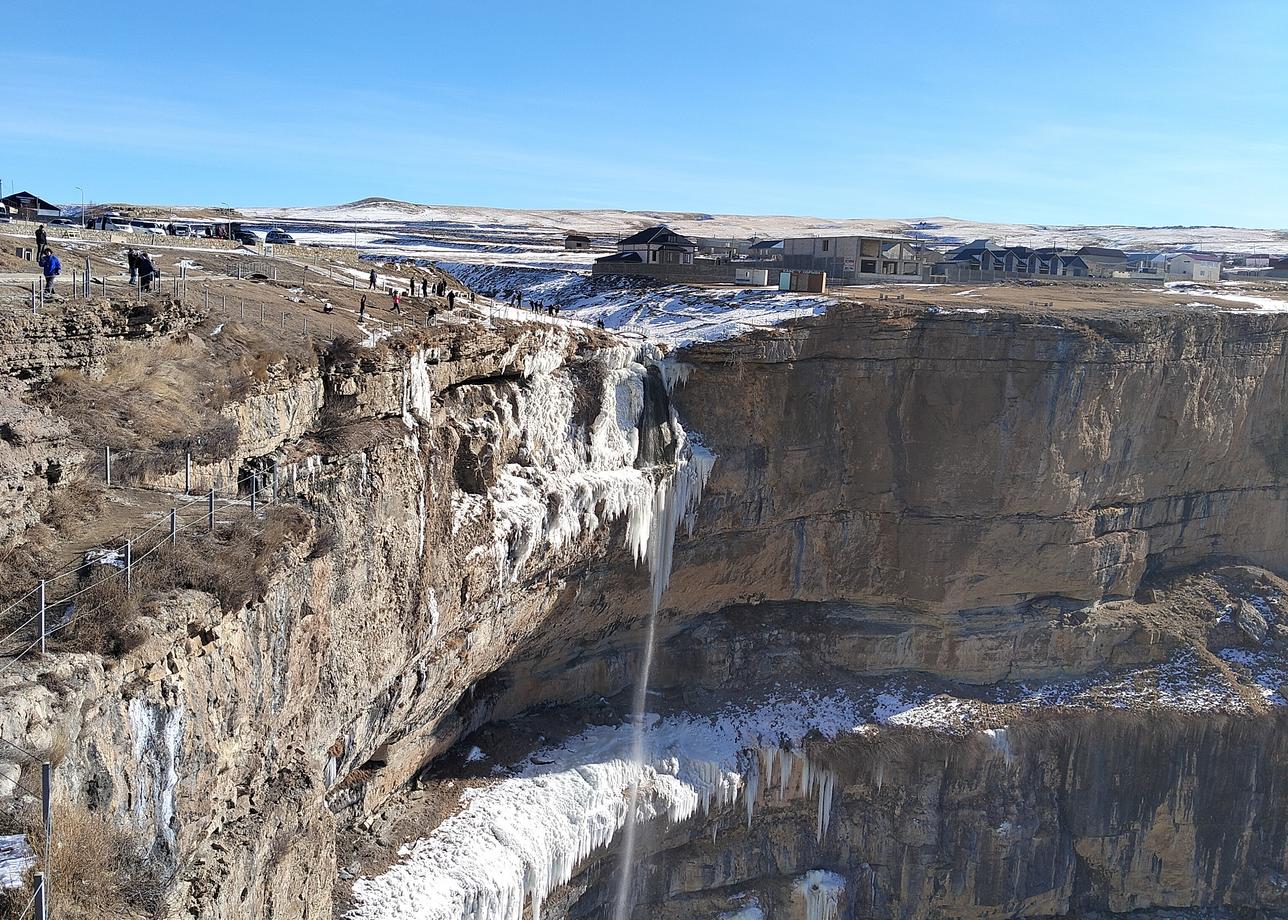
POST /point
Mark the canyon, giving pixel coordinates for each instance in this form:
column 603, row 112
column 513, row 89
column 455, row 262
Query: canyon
column 971, row 613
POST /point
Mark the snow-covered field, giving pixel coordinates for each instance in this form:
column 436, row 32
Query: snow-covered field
column 501, row 225
column 517, row 839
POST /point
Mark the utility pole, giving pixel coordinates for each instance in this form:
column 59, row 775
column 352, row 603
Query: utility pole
column 82, row 211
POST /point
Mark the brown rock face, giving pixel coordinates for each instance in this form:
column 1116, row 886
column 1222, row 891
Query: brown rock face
column 973, row 498
column 949, row 462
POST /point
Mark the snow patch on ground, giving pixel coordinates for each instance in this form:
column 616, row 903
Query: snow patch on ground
column 1255, row 303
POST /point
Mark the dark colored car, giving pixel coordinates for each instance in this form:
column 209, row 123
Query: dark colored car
column 247, row 238
column 279, row 236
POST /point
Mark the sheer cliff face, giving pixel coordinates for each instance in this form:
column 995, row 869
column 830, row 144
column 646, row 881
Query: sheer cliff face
column 954, row 461
column 938, row 493
column 453, row 490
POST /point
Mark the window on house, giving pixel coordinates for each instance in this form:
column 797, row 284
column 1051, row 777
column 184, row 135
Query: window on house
column 826, row 244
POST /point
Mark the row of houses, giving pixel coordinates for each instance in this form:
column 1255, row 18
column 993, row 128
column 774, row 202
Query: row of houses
column 988, row 260
column 662, row 253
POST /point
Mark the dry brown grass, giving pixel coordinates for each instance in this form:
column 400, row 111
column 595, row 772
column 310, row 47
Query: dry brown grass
column 74, row 503
column 98, row 869
column 232, row 565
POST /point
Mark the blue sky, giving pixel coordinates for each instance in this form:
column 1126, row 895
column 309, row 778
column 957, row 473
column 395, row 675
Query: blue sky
column 1085, row 112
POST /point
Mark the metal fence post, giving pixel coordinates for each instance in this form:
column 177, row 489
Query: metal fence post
column 261, row 314
column 47, row 816
column 129, row 565
column 254, row 487
column 42, row 616
column 107, row 463
column 283, row 320
column 212, row 510
column 40, row 897
column 34, row 309
column 174, row 525
column 187, row 473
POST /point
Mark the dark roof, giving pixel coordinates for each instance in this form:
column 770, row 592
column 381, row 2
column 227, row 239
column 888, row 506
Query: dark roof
column 1200, row 256
column 1099, row 253
column 621, row 257
column 766, row 244
column 580, row 237
column 1074, row 260
column 27, row 200
column 658, row 234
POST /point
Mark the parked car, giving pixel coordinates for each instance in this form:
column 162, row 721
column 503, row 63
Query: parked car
column 4, row 215
column 183, row 230
column 63, row 222
column 117, row 225
column 149, row 226
column 279, row 236
column 247, row 237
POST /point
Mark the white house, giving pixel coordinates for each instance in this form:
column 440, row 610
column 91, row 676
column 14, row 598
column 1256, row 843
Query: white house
column 1189, row 266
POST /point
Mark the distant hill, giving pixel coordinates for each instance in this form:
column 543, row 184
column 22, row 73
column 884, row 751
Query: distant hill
column 390, row 214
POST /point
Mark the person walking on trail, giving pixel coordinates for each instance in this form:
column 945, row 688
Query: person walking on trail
column 424, row 287
column 451, row 300
column 397, row 302
column 147, row 271
column 371, row 286
column 132, row 260
column 42, row 240
column 362, row 309
column 50, row 265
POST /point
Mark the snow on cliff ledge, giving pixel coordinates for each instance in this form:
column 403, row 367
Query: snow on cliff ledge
column 675, row 314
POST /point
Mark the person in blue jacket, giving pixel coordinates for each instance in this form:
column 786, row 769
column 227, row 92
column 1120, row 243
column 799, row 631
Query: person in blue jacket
column 50, row 265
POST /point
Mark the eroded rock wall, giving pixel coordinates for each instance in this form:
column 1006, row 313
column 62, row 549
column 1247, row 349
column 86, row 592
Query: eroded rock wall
column 954, row 461
column 1110, row 812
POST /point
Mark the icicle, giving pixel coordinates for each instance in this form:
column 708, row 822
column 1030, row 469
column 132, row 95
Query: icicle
column 1001, row 742
column 821, row 891
column 827, row 782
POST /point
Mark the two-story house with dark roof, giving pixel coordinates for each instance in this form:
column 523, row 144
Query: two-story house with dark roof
column 658, row 245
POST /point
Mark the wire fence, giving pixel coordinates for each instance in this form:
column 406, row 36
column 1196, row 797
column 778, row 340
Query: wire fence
column 49, row 607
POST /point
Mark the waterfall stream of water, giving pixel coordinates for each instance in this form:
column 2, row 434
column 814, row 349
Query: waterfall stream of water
column 653, row 536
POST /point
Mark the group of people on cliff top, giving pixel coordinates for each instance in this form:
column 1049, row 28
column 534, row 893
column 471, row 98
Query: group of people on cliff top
column 536, row 306
column 439, row 288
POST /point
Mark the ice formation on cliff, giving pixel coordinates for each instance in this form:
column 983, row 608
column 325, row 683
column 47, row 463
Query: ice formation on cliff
column 520, row 838
column 821, row 891
column 516, row 841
